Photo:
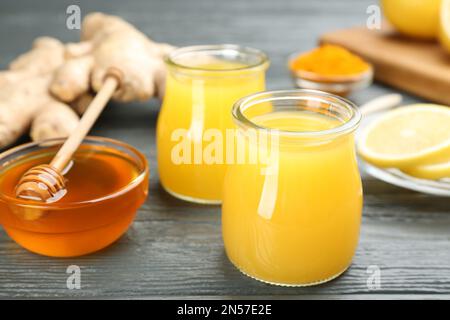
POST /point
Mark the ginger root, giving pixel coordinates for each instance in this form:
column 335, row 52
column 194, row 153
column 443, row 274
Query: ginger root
column 131, row 52
column 96, row 26
column 45, row 56
column 115, row 44
column 80, row 104
column 72, row 78
column 24, row 93
column 39, row 83
column 47, row 53
column 21, row 102
column 54, row 120
column 18, row 103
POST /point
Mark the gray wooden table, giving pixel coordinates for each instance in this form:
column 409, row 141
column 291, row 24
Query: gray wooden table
column 174, row 249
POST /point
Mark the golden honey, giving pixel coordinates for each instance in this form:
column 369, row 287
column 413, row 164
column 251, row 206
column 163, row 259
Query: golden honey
column 106, row 182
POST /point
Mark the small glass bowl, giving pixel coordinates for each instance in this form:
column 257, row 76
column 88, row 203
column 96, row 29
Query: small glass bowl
column 341, row 85
column 73, row 228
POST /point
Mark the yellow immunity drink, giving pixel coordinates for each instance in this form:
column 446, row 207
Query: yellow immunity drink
column 198, row 102
column 299, row 223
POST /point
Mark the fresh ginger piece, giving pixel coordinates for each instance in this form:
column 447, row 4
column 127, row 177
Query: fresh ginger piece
column 107, row 42
column 72, row 78
column 28, row 102
column 54, row 120
column 45, row 56
column 78, row 49
column 116, row 44
column 80, row 104
column 9, row 77
column 120, row 46
column 95, row 27
column 128, row 52
column 19, row 103
column 25, row 99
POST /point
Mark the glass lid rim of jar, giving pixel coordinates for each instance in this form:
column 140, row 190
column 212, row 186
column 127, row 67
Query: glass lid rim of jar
column 263, row 63
column 70, row 205
column 346, row 127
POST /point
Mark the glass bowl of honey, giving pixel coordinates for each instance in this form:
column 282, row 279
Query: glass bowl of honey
column 106, row 182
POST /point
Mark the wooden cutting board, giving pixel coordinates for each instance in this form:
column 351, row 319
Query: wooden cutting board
column 419, row 67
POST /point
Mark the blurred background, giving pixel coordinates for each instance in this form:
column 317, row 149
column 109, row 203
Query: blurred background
column 276, row 27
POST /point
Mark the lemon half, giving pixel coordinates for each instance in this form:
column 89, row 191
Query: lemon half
column 415, row 18
column 408, row 136
column 444, row 26
column 432, row 171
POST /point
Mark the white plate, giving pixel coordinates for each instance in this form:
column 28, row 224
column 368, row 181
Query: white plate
column 398, row 178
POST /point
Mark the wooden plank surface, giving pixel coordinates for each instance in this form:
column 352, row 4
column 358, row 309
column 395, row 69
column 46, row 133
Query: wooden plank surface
column 174, row 249
column 420, row 67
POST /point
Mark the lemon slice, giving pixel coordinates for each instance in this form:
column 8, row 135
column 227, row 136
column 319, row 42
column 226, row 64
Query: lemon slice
column 432, row 171
column 415, row 18
column 444, row 27
column 408, row 136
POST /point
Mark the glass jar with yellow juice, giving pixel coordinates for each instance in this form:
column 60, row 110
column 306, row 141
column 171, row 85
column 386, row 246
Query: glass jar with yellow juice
column 292, row 215
column 203, row 83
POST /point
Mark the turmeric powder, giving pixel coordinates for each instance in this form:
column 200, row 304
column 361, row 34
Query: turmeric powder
column 329, row 60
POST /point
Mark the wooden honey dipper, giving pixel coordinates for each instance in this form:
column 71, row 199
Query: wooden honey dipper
column 46, row 181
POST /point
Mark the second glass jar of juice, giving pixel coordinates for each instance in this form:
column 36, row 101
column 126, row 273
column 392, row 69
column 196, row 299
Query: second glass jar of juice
column 291, row 211
column 203, row 82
